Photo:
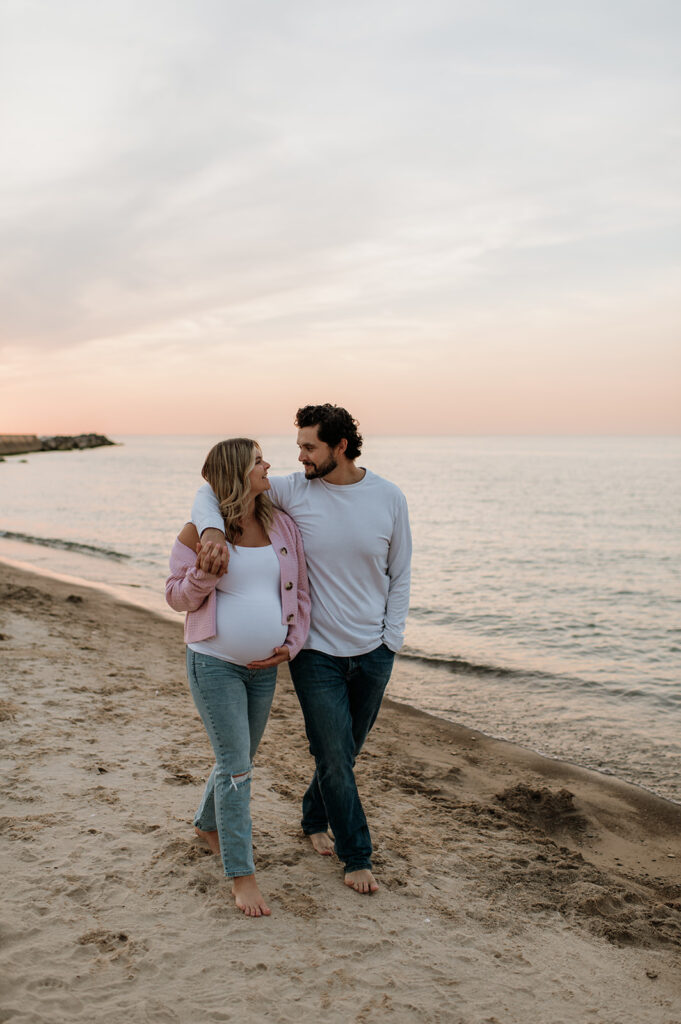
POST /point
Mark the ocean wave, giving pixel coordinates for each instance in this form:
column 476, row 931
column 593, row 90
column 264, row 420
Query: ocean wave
column 471, row 667
column 66, row 545
column 545, row 679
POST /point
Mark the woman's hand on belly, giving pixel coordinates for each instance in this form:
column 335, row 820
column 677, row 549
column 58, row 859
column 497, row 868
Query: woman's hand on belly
column 280, row 654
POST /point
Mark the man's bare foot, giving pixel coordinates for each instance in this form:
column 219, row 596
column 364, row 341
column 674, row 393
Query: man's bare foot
column 322, row 843
column 361, row 881
column 210, row 838
column 248, row 897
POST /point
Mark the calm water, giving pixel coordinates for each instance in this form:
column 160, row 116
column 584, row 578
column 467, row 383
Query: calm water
column 546, row 600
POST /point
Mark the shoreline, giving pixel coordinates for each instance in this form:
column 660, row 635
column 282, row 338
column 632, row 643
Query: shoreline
column 509, row 882
column 117, row 592
column 121, row 592
column 562, row 762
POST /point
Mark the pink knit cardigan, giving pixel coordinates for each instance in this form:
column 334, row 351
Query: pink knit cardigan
column 192, row 590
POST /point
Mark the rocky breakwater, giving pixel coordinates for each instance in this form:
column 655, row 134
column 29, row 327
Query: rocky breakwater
column 21, row 444
column 68, row 443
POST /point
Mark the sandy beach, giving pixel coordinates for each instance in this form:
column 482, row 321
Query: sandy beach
column 513, row 888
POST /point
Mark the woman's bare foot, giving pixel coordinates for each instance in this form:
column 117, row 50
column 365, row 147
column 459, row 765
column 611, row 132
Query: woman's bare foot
column 211, row 839
column 322, row 843
column 248, row 897
column 361, row 881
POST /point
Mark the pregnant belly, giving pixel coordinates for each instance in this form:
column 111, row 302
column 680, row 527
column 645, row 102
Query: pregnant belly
column 246, row 630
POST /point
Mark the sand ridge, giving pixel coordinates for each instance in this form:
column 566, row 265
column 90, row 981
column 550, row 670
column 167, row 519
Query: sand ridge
column 513, row 888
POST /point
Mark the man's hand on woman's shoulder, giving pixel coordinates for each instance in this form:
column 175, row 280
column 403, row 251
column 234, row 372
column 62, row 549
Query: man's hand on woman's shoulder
column 215, row 539
column 212, row 554
column 212, row 558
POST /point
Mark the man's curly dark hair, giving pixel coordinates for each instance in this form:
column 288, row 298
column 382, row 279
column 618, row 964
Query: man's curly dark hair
column 333, row 424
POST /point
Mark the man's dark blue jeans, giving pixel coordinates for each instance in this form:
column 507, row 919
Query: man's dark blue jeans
column 340, row 698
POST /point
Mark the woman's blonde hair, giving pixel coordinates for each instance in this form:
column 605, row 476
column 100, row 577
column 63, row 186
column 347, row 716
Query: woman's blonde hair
column 226, row 469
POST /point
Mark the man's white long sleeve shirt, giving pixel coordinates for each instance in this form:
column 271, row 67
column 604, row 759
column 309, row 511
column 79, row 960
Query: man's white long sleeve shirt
column 358, row 551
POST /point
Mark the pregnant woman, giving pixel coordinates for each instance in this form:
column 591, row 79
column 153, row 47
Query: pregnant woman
column 246, row 614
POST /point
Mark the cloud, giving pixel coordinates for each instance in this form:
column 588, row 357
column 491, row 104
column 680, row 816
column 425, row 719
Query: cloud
column 230, row 176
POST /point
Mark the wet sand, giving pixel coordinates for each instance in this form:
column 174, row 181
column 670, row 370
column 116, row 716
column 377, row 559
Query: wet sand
column 513, row 888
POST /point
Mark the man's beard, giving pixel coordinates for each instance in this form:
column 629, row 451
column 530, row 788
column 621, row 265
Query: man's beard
column 323, row 470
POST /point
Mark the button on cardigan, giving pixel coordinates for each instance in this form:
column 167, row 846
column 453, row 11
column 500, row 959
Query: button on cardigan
column 192, row 590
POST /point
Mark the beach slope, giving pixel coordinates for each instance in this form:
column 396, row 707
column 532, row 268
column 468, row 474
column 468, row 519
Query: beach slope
column 513, row 888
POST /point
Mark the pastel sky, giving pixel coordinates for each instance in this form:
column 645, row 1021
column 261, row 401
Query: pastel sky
column 449, row 216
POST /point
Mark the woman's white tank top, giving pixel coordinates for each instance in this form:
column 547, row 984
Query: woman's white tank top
column 249, row 624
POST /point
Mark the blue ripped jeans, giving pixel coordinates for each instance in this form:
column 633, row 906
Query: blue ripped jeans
column 340, row 699
column 234, row 703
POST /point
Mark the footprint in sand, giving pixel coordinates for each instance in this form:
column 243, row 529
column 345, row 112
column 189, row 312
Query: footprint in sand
column 106, row 942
